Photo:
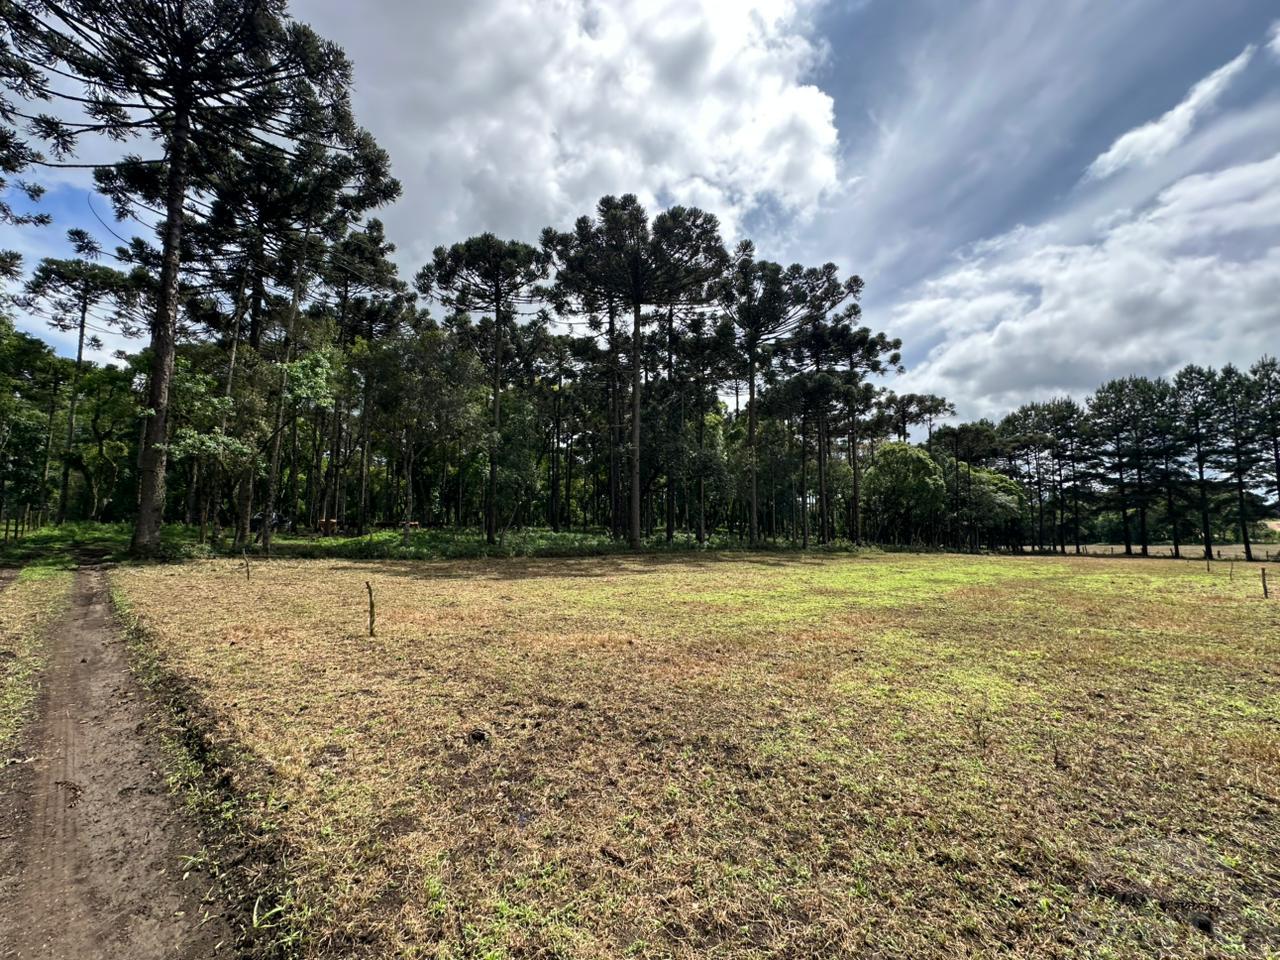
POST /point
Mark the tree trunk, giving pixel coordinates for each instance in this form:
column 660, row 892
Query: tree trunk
column 1206, row 531
column 635, row 427
column 751, row 444
column 804, row 481
column 48, row 450
column 1244, row 515
column 823, row 514
column 855, row 516
column 1142, row 510
column 491, row 495
column 164, row 331
column 408, row 488
column 244, row 509
column 1124, row 517
column 273, row 474
column 72, row 401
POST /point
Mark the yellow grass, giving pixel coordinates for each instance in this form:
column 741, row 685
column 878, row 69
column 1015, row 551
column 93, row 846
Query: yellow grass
column 28, row 606
column 746, row 757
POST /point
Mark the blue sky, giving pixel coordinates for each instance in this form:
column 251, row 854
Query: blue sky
column 1040, row 195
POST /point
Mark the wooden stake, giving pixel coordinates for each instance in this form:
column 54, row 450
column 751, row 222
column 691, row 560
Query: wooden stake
column 368, row 586
column 246, row 564
column 1264, row 584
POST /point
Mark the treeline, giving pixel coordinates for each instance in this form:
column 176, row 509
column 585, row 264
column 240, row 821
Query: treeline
column 1192, row 459
column 620, row 373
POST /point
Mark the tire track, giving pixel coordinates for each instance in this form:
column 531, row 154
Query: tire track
column 93, row 867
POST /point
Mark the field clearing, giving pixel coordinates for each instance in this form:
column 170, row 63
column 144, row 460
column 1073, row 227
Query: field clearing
column 753, row 756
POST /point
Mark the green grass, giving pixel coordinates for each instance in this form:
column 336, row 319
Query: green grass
column 58, row 545
column 742, row 756
column 179, row 542
column 28, row 606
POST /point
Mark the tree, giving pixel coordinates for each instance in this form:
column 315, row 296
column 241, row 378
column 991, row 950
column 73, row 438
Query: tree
column 904, row 487
column 1110, row 413
column 1238, row 452
column 209, row 79
column 1067, row 426
column 709, row 355
column 1196, row 390
column 329, row 189
column 863, row 354
column 766, row 303
column 67, row 290
column 1266, row 378
column 495, row 277
column 1168, row 445
column 619, row 257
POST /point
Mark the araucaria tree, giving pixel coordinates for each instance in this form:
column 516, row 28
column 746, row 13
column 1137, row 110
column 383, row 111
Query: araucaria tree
column 672, row 263
column 68, row 290
column 495, row 277
column 207, row 80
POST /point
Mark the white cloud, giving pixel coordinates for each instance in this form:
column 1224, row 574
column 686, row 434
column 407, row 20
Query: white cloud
column 1145, row 144
column 1273, row 44
column 1194, row 276
column 966, row 115
column 512, row 115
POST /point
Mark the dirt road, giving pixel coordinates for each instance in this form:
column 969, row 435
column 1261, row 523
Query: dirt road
column 91, row 842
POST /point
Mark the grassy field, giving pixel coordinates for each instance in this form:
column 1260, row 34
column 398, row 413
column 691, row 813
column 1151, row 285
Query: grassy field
column 30, row 600
column 740, row 757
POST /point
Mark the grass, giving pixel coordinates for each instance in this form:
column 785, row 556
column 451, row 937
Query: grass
column 58, row 545
column 742, row 756
column 29, row 604
column 179, row 542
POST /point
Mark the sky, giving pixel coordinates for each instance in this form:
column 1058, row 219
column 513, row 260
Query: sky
column 1039, row 195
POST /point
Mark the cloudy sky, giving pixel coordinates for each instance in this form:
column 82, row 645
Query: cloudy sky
column 1040, row 195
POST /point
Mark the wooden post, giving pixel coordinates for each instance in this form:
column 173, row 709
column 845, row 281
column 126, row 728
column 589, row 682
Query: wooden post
column 368, row 586
column 1264, row 584
column 246, row 564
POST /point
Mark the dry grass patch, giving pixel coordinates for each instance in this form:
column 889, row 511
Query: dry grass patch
column 30, row 601
column 747, row 757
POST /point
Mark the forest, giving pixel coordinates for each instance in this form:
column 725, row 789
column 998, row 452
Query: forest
column 631, row 373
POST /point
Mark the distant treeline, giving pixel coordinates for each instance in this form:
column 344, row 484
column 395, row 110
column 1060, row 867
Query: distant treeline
column 1190, row 460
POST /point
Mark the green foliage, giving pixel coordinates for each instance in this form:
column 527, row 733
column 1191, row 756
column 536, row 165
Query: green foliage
column 903, row 489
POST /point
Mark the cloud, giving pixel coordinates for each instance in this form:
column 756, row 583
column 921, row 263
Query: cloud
column 960, row 120
column 1193, row 276
column 512, row 115
column 1144, row 145
column 1273, row 43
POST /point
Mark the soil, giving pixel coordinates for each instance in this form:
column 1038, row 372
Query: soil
column 92, row 844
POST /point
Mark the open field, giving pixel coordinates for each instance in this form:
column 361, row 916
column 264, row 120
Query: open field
column 753, row 756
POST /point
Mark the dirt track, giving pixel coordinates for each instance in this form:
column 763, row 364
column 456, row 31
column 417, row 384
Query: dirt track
column 91, row 843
